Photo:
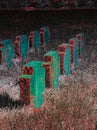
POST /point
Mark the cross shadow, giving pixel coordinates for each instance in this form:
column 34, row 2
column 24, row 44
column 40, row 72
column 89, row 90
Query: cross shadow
column 7, row 101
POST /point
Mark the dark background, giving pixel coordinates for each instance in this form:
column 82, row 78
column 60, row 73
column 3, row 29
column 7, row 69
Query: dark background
column 47, row 3
column 63, row 24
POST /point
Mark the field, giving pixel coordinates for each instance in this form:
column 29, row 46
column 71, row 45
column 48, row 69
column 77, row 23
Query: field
column 74, row 105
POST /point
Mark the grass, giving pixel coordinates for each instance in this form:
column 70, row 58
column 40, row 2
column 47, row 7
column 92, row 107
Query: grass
column 66, row 109
column 72, row 107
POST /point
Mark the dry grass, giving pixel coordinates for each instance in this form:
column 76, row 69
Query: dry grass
column 66, row 109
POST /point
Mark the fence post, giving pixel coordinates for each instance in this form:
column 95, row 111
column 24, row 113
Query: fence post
column 7, row 51
column 0, row 56
column 24, row 46
column 1, row 46
column 42, row 32
column 65, row 58
column 81, row 39
column 48, row 73
column 45, row 35
column 37, row 41
column 21, row 46
column 25, row 90
column 31, row 41
column 52, row 67
column 35, row 72
column 74, row 52
column 17, row 47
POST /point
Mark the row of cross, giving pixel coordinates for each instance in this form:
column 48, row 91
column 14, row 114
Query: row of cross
column 41, row 75
column 11, row 52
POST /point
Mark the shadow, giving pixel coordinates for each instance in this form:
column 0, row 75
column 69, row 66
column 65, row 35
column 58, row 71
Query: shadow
column 6, row 101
